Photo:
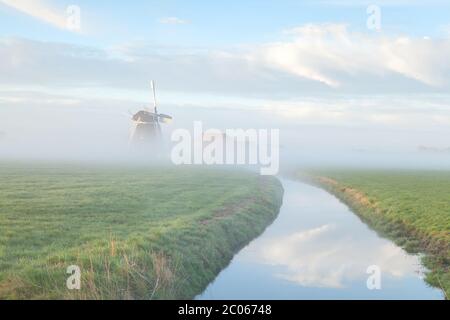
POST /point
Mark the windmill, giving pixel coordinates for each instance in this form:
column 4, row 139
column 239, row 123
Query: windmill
column 147, row 123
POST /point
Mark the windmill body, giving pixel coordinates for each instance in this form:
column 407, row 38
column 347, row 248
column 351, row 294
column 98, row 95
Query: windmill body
column 147, row 125
column 146, row 128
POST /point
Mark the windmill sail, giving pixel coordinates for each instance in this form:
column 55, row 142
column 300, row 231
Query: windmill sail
column 154, row 97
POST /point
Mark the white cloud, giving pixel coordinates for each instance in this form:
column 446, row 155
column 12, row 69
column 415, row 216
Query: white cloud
column 39, row 9
column 332, row 55
column 173, row 20
column 313, row 59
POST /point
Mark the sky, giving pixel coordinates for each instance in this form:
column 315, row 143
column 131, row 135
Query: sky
column 319, row 66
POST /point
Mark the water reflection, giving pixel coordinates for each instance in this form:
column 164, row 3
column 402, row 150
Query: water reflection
column 318, row 249
column 320, row 257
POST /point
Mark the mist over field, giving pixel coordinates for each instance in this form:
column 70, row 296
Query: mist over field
column 99, row 131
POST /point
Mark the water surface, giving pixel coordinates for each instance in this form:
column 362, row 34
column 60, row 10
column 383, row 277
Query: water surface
column 318, row 249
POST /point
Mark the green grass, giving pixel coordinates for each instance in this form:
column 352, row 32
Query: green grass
column 410, row 207
column 136, row 233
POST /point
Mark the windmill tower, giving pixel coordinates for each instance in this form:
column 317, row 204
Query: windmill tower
column 147, row 124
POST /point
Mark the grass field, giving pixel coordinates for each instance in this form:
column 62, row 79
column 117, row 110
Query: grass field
column 410, row 207
column 136, row 233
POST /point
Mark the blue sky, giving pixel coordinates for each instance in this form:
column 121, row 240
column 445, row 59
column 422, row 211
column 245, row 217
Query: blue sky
column 307, row 46
column 214, row 23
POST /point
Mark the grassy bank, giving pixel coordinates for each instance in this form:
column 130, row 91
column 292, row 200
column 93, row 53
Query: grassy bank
column 136, row 233
column 412, row 208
